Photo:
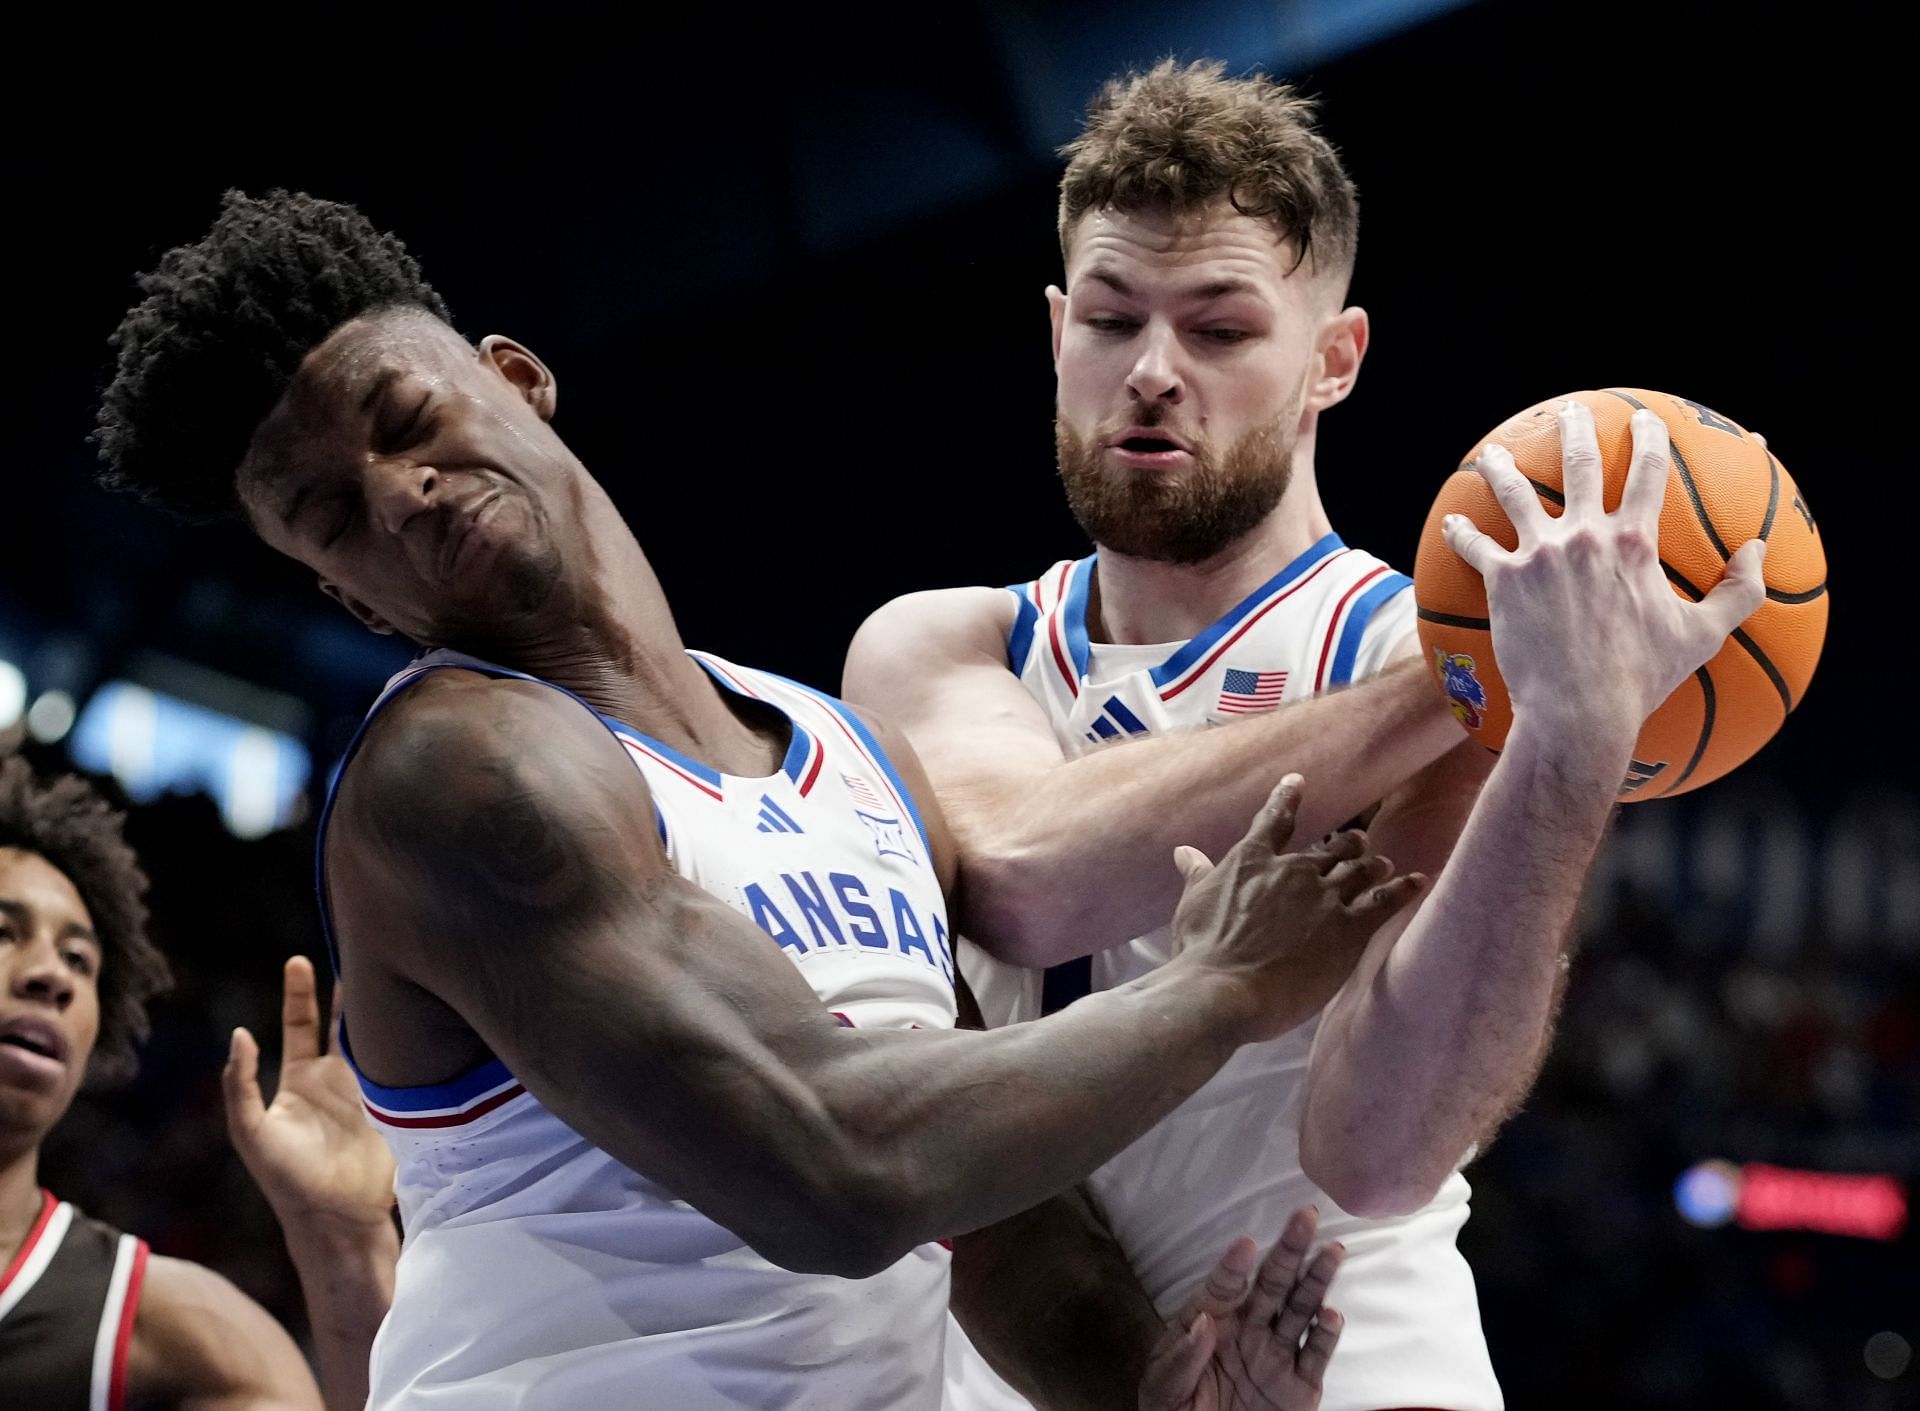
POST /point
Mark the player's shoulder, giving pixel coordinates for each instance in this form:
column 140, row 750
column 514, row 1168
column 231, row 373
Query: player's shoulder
column 195, row 1333
column 438, row 733
column 169, row 1286
column 1357, row 558
column 940, row 622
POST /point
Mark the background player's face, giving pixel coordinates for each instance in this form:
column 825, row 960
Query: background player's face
column 417, row 475
column 1191, row 356
column 49, row 993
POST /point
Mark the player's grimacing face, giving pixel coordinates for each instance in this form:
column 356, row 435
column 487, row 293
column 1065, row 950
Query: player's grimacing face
column 418, row 477
column 1183, row 348
column 49, row 991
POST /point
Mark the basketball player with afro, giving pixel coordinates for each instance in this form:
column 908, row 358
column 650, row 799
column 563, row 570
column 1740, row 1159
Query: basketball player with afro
column 88, row 1317
column 648, row 957
column 1208, row 231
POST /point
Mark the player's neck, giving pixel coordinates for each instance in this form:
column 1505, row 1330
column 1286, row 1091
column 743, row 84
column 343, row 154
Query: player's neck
column 613, row 642
column 1144, row 601
column 20, row 1198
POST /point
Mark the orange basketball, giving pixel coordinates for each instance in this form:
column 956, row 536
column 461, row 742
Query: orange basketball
column 1724, row 488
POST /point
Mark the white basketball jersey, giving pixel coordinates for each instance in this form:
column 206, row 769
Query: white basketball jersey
column 1226, row 1162
column 537, row 1272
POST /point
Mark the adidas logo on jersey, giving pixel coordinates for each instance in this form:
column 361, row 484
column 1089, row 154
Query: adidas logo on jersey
column 1114, row 718
column 774, row 819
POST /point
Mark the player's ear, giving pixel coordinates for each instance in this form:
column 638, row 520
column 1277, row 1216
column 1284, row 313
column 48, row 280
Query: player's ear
column 1338, row 351
column 1057, row 311
column 362, row 614
column 529, row 376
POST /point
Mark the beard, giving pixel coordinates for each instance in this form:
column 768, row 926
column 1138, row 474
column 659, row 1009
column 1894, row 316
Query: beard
column 1182, row 518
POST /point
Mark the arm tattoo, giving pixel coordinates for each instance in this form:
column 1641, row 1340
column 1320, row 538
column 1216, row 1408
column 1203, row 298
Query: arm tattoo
column 513, row 846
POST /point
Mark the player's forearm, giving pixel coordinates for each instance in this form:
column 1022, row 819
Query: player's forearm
column 1079, row 860
column 1051, row 1301
column 346, row 1275
column 1423, row 1060
column 833, row 1150
column 972, row 1128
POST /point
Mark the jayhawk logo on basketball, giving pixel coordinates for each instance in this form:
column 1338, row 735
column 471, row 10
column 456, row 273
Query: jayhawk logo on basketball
column 1463, row 688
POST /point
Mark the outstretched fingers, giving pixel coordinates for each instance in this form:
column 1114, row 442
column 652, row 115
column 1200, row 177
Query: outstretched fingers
column 1463, row 536
column 1378, row 905
column 240, row 1086
column 1273, row 825
column 1740, row 592
column 1581, row 470
column 1278, row 1272
column 1322, row 1338
column 1227, row 1285
column 1353, row 877
column 1647, row 474
column 1308, row 1294
column 300, row 1036
column 1513, row 490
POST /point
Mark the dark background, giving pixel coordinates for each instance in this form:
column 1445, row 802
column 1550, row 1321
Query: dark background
column 788, row 268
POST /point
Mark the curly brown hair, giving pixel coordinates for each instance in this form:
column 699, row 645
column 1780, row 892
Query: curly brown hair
column 70, row 825
column 1180, row 137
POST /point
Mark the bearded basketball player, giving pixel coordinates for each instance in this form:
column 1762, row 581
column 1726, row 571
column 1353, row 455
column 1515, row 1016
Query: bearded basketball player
column 1222, row 633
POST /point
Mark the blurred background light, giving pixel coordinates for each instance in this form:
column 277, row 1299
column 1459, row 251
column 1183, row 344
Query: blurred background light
column 13, row 694
column 153, row 744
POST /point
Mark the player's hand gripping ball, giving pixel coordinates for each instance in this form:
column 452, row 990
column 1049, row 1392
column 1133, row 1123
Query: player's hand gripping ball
column 1723, row 488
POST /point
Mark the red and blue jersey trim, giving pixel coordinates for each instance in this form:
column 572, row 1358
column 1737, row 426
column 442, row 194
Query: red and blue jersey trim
column 805, row 754
column 467, row 1098
column 1020, row 639
column 864, row 744
column 1385, row 585
column 1192, row 661
column 707, row 780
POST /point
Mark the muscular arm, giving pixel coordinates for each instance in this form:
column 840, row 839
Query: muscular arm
column 1049, row 1299
column 199, row 1344
column 1059, row 857
column 493, row 846
column 1376, row 1035
column 347, row 1280
column 1052, row 1303
column 1437, row 1039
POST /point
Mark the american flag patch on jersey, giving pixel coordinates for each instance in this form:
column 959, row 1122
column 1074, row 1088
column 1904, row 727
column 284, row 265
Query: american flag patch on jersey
column 1245, row 692
column 862, row 792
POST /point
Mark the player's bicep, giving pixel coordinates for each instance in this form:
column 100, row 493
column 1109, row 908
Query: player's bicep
column 200, row 1344
column 935, row 664
column 532, row 896
column 485, row 807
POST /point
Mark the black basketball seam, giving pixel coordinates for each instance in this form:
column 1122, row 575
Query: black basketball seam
column 1752, row 647
column 1547, row 492
column 1773, row 495
column 1447, row 619
column 1766, row 665
column 1706, row 731
column 1686, row 480
column 1775, row 595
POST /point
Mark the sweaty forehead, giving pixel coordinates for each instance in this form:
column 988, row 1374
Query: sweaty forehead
column 358, row 354
column 339, row 383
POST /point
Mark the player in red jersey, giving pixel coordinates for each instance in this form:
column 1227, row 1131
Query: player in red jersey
column 89, row 1319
